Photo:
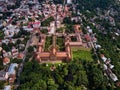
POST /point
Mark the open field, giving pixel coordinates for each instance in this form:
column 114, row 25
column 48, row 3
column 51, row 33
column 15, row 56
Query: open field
column 82, row 54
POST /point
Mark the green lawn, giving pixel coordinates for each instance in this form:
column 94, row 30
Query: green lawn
column 80, row 48
column 82, row 54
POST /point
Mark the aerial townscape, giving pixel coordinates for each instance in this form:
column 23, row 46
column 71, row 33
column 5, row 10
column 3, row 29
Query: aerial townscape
column 59, row 44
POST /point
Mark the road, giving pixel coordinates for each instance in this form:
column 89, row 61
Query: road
column 20, row 68
column 93, row 46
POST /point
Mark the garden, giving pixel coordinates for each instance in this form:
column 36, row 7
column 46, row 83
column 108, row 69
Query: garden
column 48, row 43
column 1, row 34
column 60, row 43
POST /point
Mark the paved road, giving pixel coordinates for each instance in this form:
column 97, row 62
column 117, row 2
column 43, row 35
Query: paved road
column 22, row 64
column 93, row 46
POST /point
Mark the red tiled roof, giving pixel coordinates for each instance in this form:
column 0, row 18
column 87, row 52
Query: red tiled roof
column 6, row 60
column 20, row 55
column 101, row 55
column 87, row 37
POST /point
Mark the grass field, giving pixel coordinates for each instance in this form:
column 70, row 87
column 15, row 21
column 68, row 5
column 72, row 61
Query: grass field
column 82, row 54
column 80, row 48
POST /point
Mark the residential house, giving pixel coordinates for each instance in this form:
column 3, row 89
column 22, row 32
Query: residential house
column 20, row 56
column 0, row 49
column 14, row 52
column 103, row 57
column 113, row 77
column 105, row 67
column 6, row 61
column 8, row 87
column 12, row 72
column 5, row 54
column 3, row 75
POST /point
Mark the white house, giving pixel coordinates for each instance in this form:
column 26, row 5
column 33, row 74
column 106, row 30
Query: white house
column 113, row 77
column 97, row 46
column 105, row 67
column 111, row 66
column 27, row 28
column 69, row 1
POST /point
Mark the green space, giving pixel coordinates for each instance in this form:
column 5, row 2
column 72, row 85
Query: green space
column 44, row 31
column 80, row 48
column 60, row 30
column 47, row 21
column 1, row 63
column 60, row 43
column 21, row 33
column 48, row 42
column 82, row 54
column 69, row 28
column 69, row 76
column 15, row 60
column 40, row 77
column 73, row 38
column 1, row 34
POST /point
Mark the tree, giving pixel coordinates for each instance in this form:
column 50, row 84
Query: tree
column 5, row 47
column 69, row 28
column 67, row 20
column 1, row 35
column 51, row 84
column 15, row 60
column 40, row 85
column 18, row 41
column 82, row 78
column 1, row 84
column 10, row 45
column 68, row 86
column 97, row 77
column 58, row 78
column 47, row 21
column 58, row 1
column 30, row 49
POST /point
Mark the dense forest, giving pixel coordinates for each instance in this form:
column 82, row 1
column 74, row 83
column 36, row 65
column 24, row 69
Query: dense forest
column 76, row 75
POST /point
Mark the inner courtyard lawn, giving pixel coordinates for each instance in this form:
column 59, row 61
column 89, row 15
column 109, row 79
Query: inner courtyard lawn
column 48, row 43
